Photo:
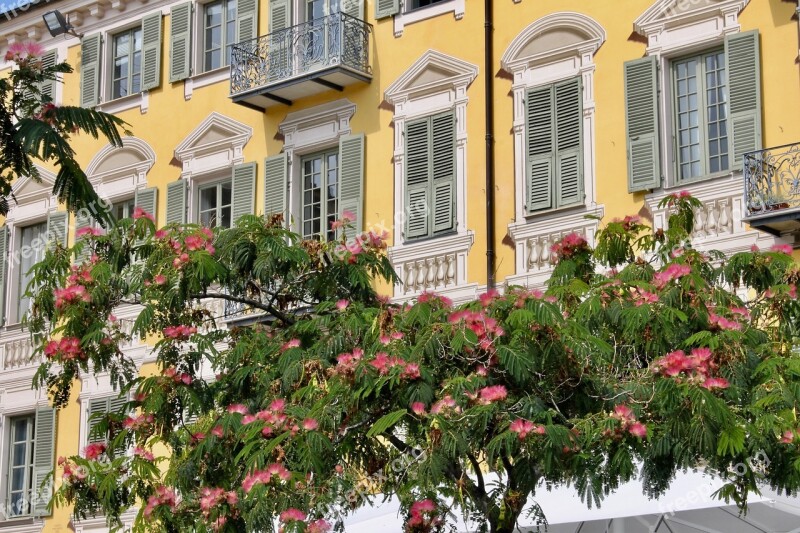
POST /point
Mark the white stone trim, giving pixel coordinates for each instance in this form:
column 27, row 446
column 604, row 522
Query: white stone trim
column 406, row 17
column 205, row 79
column 98, row 524
column 413, row 100
column 121, row 182
column 718, row 223
column 533, row 238
column 206, row 161
column 435, row 265
column 307, row 131
column 549, row 67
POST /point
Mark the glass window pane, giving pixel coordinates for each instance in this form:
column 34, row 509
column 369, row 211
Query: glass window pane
column 208, row 198
column 226, row 194
column 225, row 217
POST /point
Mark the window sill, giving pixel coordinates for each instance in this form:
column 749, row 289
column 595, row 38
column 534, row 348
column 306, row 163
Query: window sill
column 672, row 185
column 22, row 524
column 558, row 211
column 416, row 15
column 211, row 77
column 142, row 100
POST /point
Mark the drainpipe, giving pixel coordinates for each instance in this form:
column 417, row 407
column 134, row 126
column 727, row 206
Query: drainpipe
column 489, row 89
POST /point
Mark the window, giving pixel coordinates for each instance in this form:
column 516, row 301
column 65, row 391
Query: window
column 701, row 116
column 416, row 4
column 123, row 208
column 98, row 407
column 320, row 194
column 126, row 77
column 430, row 175
column 20, row 465
column 215, row 205
column 31, row 251
column 219, row 31
column 554, row 146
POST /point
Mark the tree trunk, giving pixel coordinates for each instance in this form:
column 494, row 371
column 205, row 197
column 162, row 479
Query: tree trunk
column 504, row 519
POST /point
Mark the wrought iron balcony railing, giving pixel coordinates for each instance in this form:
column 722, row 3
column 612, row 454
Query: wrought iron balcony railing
column 772, row 180
column 336, row 41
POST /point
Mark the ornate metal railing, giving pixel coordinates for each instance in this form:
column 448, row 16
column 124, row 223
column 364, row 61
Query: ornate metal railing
column 330, row 41
column 772, row 179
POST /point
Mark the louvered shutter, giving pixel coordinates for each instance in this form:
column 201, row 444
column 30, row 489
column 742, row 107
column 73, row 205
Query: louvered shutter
column 3, row 272
column 280, row 13
column 281, row 43
column 116, row 404
column 540, row 140
column 48, row 87
column 351, row 178
column 569, row 146
column 443, row 171
column 275, row 185
column 176, row 202
column 146, row 199
column 151, row 51
column 744, row 90
column 243, row 185
column 418, row 180
column 180, row 23
column 386, row 8
column 97, row 407
column 57, row 228
column 354, row 8
column 641, row 122
column 246, row 20
column 90, row 70
column 83, row 220
column 43, row 454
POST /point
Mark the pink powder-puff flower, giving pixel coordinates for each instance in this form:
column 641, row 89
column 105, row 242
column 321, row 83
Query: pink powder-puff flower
column 160, row 279
column 218, row 431
column 293, row 343
column 418, row 408
column 521, row 427
column 237, row 408
column 292, row 515
column 781, row 248
column 88, row 230
column 94, row 450
column 318, row 526
column 138, row 213
column 493, row 393
column 342, row 304
column 637, row 429
column 787, row 437
column 715, row 383
column 309, row 424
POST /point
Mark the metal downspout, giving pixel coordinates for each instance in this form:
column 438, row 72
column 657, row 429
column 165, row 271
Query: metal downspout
column 489, row 89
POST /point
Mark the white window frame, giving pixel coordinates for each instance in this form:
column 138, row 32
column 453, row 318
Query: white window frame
column 30, row 441
column 310, row 131
column 112, row 37
column 201, row 34
column 120, row 182
column 673, row 34
column 324, row 214
column 207, row 182
column 409, row 15
column 446, row 254
column 204, row 162
column 534, row 233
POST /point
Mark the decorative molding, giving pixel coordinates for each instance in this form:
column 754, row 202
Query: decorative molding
column 533, row 239
column 33, row 198
column 404, row 18
column 675, row 26
column 533, row 66
column 217, row 142
column 718, row 223
column 435, row 82
column 99, row 524
column 116, row 172
column 435, row 265
column 318, row 126
column 587, row 34
column 205, row 79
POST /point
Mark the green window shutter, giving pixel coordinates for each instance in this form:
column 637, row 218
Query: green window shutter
column 146, row 199
column 641, row 122
column 83, row 220
column 568, row 98
column 275, row 185
column 744, row 90
column 97, row 407
column 48, row 87
column 540, row 142
column 351, row 178
column 246, row 20
column 443, row 170
column 243, row 184
column 43, row 454
column 90, row 70
column 151, row 51
column 280, row 15
column 57, row 227
column 386, row 8
column 354, row 8
column 180, row 24
column 3, row 272
column 176, row 202
column 418, row 178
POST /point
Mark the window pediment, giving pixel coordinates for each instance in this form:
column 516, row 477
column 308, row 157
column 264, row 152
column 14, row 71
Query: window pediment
column 432, row 72
column 553, row 37
column 27, row 190
column 216, row 142
column 133, row 157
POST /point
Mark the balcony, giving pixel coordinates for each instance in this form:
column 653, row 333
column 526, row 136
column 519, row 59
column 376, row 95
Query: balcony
column 772, row 190
column 327, row 53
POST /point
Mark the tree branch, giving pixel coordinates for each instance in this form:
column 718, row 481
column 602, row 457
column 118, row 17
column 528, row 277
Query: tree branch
column 283, row 317
column 477, row 467
column 512, row 482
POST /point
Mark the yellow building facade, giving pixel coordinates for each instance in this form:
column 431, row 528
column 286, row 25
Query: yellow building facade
column 316, row 107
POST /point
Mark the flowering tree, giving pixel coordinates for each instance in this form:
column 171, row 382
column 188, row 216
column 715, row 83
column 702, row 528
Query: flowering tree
column 326, row 395
column 32, row 128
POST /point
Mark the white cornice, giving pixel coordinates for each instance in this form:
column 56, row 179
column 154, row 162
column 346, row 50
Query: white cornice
column 147, row 158
column 594, row 36
column 237, row 134
column 459, row 72
column 44, row 189
column 668, row 13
